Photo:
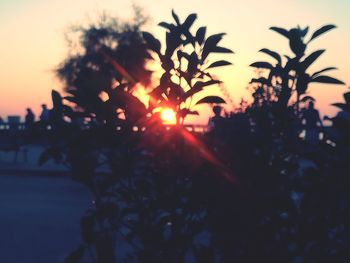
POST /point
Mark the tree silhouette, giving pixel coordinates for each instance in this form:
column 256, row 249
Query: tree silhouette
column 111, row 60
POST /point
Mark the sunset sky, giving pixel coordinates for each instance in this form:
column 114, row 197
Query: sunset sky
column 33, row 44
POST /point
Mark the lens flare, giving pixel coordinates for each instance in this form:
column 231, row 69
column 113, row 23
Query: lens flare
column 168, row 116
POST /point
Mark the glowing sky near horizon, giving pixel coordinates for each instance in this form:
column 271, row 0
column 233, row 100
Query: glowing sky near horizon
column 32, row 40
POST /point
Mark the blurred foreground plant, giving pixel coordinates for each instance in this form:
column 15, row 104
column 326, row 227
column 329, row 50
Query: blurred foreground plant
column 150, row 202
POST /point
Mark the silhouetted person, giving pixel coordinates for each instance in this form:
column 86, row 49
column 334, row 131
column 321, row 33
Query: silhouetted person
column 215, row 121
column 29, row 119
column 312, row 123
column 1, row 122
column 45, row 114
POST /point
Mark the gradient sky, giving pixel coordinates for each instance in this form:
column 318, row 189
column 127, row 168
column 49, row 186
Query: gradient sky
column 32, row 40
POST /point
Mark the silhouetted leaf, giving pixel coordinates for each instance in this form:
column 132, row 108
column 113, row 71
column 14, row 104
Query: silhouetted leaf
column 134, row 108
column 222, row 50
column 192, row 64
column 219, row 64
column 175, row 16
column 273, row 54
column 321, row 31
column 167, row 62
column 261, row 80
column 166, row 25
column 175, row 91
column 152, row 42
column 211, row 99
column 327, row 80
column 307, row 98
column 281, row 31
column 206, row 83
column 323, row 70
column 197, row 87
column 296, row 42
column 172, row 40
column 184, row 112
column 261, row 64
column 189, row 21
column 165, row 79
column 311, row 59
column 210, row 44
column 56, row 99
column 343, row 106
column 200, row 35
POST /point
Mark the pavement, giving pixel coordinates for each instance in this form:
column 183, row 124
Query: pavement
column 39, row 213
column 27, row 161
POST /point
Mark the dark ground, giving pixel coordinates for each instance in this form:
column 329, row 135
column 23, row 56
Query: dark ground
column 39, row 217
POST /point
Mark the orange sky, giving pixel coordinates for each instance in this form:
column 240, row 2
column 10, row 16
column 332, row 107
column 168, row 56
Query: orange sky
column 32, row 40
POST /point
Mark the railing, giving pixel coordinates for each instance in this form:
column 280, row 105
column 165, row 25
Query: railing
column 12, row 126
column 197, row 128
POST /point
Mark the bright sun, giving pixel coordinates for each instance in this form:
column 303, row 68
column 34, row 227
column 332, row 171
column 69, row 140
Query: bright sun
column 168, row 116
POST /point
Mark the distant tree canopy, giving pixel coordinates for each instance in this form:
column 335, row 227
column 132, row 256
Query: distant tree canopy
column 101, row 43
column 110, row 58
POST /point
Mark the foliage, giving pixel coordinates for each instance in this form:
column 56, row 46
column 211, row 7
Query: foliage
column 341, row 123
column 247, row 191
column 289, row 75
column 111, row 59
column 137, row 192
column 185, row 65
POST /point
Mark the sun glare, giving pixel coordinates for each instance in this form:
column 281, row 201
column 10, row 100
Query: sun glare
column 168, row 116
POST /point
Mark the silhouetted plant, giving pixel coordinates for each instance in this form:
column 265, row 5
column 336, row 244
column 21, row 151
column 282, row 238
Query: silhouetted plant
column 146, row 199
column 291, row 76
column 185, row 65
column 247, row 193
column 341, row 125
